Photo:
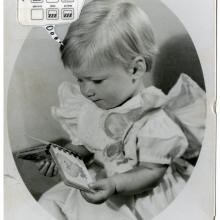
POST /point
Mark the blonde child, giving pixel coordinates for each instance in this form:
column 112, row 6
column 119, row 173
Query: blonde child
column 141, row 137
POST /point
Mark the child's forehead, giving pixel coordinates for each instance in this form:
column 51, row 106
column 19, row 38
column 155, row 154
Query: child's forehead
column 96, row 70
column 90, row 73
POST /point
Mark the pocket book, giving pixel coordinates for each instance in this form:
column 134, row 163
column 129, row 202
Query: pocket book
column 72, row 169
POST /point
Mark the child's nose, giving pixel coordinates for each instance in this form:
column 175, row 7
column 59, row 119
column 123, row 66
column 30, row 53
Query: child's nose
column 88, row 89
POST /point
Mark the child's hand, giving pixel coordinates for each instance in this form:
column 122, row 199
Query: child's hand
column 47, row 168
column 103, row 189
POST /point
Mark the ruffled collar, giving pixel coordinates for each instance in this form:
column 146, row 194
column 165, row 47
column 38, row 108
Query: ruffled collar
column 183, row 93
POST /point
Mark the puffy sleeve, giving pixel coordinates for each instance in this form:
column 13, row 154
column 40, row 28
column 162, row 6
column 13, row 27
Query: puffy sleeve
column 67, row 113
column 160, row 140
column 187, row 106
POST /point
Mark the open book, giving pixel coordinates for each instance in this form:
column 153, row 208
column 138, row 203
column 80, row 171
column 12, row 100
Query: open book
column 72, row 169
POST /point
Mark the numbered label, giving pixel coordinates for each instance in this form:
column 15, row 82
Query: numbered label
column 48, row 12
column 52, row 14
column 67, row 14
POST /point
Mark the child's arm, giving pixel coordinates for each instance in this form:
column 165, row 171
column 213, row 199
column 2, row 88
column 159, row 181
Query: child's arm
column 140, row 179
column 135, row 181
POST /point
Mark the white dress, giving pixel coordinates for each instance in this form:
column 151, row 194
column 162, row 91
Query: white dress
column 151, row 127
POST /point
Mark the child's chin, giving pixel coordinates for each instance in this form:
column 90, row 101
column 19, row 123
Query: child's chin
column 103, row 105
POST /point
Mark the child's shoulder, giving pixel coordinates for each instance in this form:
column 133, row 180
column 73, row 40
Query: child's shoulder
column 182, row 94
column 186, row 88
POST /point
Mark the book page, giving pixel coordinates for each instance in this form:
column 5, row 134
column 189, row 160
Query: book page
column 72, row 169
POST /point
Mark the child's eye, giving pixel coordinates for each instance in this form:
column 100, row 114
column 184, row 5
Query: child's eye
column 98, row 81
column 79, row 80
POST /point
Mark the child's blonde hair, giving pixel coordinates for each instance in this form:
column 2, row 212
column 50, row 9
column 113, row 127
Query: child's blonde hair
column 108, row 31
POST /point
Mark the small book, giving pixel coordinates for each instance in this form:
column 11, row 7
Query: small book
column 72, row 169
column 35, row 154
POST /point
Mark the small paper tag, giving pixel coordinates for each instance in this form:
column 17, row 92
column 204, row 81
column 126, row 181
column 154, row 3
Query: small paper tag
column 48, row 12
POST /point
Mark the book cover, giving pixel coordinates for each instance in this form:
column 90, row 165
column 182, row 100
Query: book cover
column 71, row 168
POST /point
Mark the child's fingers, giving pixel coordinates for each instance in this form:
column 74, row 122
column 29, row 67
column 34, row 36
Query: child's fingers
column 85, row 196
column 50, row 169
column 88, row 196
column 44, row 168
column 47, row 168
column 55, row 171
column 40, row 164
column 95, row 198
column 97, row 185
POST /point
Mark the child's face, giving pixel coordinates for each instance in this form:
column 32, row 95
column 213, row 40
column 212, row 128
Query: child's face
column 107, row 87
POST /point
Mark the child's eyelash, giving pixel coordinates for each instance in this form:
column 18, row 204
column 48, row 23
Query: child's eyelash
column 98, row 81
column 79, row 80
column 94, row 81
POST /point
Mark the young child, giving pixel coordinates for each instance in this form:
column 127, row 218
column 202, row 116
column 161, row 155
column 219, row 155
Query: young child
column 141, row 137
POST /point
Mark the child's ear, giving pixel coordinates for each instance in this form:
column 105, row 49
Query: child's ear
column 138, row 67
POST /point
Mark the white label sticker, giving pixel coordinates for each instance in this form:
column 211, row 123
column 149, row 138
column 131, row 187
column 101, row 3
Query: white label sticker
column 48, row 12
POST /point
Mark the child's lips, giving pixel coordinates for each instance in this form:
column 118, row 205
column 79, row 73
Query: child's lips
column 96, row 100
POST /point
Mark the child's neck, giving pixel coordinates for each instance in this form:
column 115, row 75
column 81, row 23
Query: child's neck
column 140, row 88
column 142, row 85
column 148, row 80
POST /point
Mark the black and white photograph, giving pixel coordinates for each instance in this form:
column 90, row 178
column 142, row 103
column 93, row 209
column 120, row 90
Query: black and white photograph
column 109, row 109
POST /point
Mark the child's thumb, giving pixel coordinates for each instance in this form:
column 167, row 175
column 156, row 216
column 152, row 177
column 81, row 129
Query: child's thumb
column 96, row 185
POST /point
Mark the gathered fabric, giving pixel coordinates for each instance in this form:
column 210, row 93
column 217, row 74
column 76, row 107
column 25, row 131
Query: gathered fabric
column 149, row 128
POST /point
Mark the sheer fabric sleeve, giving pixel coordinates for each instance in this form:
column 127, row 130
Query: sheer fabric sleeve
column 67, row 113
column 160, row 140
